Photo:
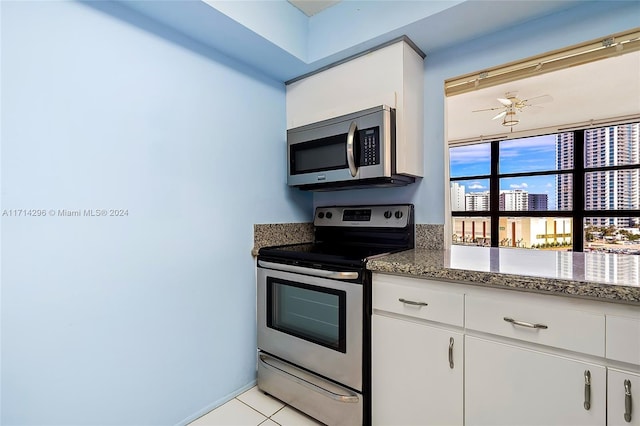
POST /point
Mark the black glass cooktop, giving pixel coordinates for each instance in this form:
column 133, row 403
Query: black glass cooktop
column 351, row 254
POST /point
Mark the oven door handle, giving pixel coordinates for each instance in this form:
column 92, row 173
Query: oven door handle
column 338, row 275
column 312, row 386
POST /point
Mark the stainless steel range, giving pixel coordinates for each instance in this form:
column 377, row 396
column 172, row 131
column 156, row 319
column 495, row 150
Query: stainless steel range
column 314, row 311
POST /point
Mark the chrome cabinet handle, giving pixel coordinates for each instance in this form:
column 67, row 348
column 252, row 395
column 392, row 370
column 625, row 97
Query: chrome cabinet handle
column 627, row 401
column 525, row 324
column 351, row 159
column 451, row 352
column 411, row 302
column 587, row 389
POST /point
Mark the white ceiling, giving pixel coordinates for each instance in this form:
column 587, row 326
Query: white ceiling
column 599, row 90
column 311, row 7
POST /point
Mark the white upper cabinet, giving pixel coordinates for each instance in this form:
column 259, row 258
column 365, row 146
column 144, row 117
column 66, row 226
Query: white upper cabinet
column 391, row 75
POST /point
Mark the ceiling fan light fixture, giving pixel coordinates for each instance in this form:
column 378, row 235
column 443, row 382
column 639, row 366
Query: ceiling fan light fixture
column 510, row 119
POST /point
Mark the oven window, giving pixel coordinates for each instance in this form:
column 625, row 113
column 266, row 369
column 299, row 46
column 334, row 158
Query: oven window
column 312, row 313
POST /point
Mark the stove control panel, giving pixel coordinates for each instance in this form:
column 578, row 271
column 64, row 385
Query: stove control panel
column 379, row 216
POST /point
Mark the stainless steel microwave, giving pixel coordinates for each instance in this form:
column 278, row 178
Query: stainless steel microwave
column 352, row 150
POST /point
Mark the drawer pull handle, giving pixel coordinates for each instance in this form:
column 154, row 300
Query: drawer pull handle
column 525, row 324
column 627, row 401
column 587, row 389
column 451, row 352
column 411, row 302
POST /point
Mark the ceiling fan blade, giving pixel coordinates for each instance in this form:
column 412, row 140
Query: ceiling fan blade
column 488, row 109
column 538, row 100
column 502, row 114
column 505, row 102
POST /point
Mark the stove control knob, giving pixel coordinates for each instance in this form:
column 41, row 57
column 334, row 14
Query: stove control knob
column 329, row 215
column 321, row 215
column 398, row 214
column 387, row 214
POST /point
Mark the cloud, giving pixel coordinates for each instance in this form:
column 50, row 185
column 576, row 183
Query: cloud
column 475, row 186
column 528, row 154
column 519, row 185
column 538, row 143
column 470, row 153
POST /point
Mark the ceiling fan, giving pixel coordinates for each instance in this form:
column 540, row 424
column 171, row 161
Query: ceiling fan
column 511, row 104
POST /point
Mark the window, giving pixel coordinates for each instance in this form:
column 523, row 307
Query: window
column 576, row 190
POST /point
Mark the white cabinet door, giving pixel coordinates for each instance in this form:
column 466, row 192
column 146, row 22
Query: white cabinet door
column 415, row 380
column 623, row 407
column 509, row 385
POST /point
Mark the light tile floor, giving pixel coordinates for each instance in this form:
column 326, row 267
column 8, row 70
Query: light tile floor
column 254, row 408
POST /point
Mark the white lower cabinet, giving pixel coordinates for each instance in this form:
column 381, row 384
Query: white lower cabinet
column 510, row 385
column 417, row 373
column 622, row 392
column 519, row 358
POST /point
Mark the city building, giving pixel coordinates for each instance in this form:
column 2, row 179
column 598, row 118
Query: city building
column 564, row 160
column 514, row 200
column 529, row 232
column 538, row 202
column 472, row 230
column 476, row 201
column 457, row 197
column 604, row 190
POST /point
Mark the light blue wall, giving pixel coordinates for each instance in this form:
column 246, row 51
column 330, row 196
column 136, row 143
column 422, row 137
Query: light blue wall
column 148, row 318
column 588, row 21
column 276, row 21
column 354, row 22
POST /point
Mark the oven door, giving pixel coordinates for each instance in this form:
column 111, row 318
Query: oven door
column 312, row 322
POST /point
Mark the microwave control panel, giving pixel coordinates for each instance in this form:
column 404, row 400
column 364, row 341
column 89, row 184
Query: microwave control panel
column 369, row 146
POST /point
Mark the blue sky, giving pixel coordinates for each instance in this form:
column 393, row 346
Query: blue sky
column 516, row 156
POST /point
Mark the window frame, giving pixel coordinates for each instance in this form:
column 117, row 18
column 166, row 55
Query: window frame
column 578, row 214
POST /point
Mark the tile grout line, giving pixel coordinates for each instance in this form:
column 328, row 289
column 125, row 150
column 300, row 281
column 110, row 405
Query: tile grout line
column 280, row 409
column 254, row 409
column 284, row 405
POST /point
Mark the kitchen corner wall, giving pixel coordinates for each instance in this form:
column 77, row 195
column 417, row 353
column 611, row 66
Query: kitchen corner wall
column 148, row 317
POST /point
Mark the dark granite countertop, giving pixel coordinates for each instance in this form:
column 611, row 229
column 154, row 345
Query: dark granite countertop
column 595, row 276
column 273, row 234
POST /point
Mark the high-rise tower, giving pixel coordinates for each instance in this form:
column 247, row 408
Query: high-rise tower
column 614, row 189
column 604, row 190
column 564, row 160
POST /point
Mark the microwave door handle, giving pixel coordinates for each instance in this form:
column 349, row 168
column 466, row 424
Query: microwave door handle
column 351, row 159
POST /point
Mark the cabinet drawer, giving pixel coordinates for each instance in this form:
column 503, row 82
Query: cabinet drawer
column 515, row 317
column 623, row 339
column 419, row 299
